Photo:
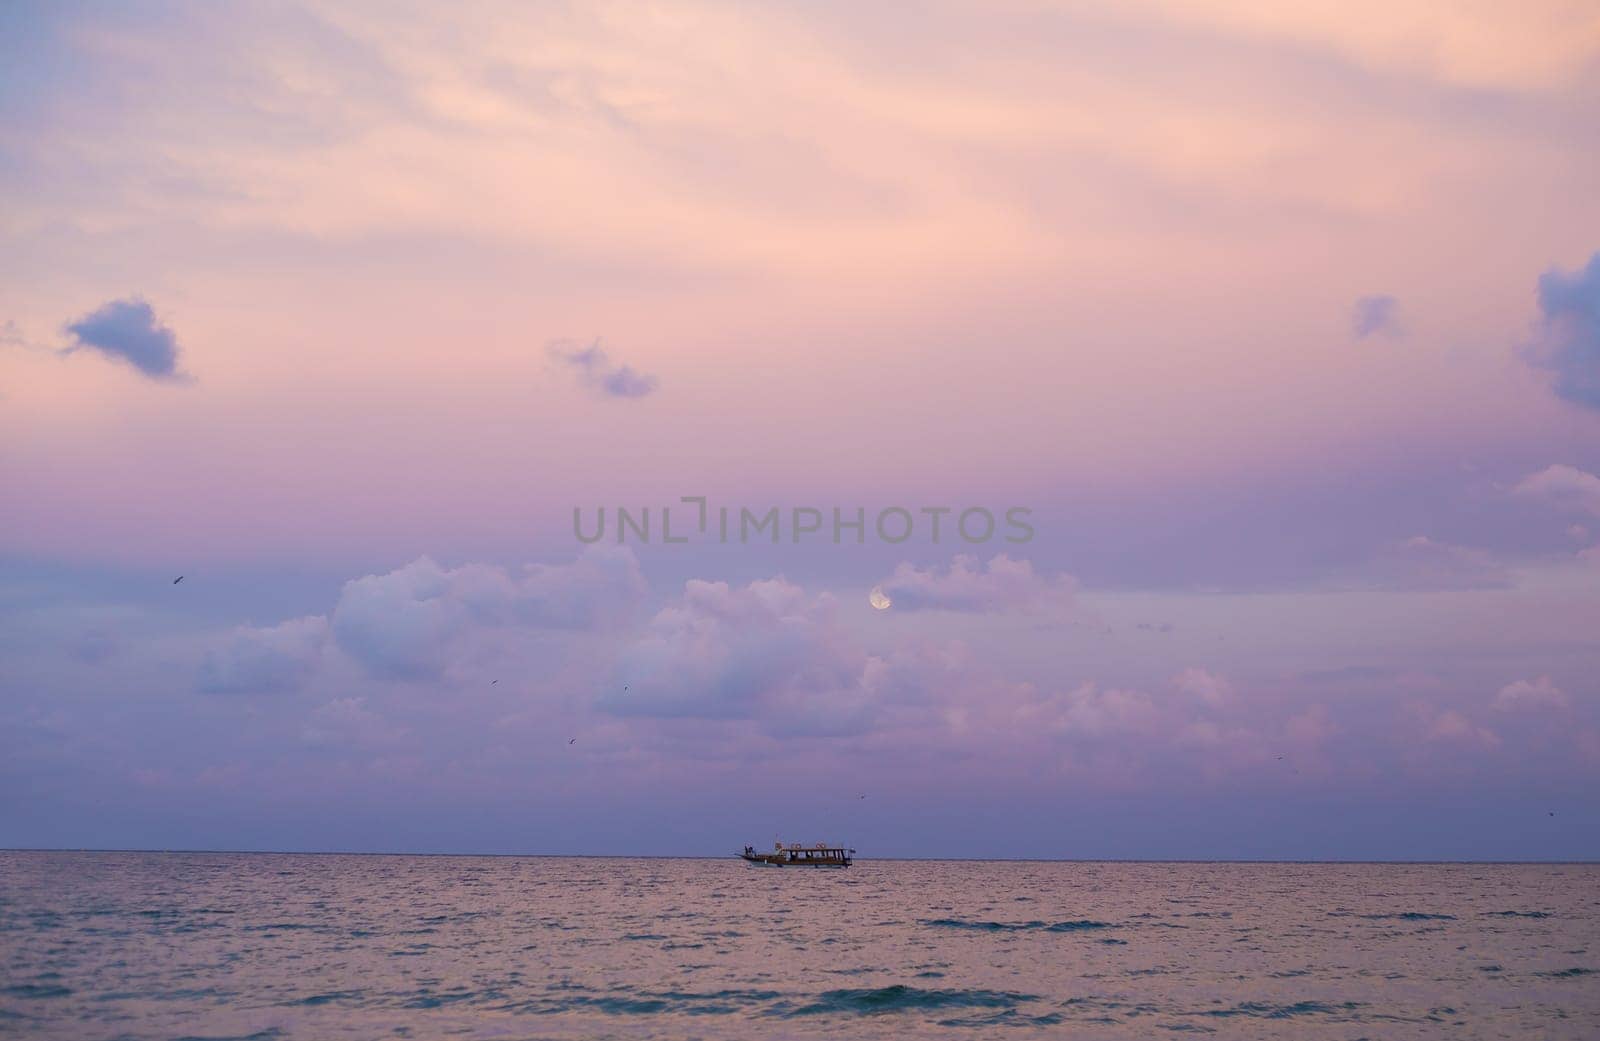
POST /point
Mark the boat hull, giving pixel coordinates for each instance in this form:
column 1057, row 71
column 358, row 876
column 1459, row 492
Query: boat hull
column 777, row 860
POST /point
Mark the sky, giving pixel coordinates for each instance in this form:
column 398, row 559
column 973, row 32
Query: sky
column 1247, row 357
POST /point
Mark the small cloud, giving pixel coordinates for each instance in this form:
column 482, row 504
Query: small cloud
column 1567, row 340
column 1563, row 485
column 1376, row 314
column 596, row 372
column 1530, row 694
column 128, row 331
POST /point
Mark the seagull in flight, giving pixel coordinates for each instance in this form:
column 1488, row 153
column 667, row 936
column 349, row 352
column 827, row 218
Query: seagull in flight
column 177, row 580
column 572, row 741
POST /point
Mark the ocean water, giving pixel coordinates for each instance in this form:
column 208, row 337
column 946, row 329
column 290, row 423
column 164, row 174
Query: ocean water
column 264, row 946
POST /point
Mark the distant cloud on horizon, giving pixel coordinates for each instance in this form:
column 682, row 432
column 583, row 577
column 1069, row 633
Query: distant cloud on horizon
column 596, row 371
column 128, row 330
column 265, row 659
column 1423, row 564
column 408, row 623
column 1376, row 314
column 966, row 585
column 1539, row 693
column 1565, row 486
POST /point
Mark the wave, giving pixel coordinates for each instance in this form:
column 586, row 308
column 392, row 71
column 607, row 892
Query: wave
column 1008, row 927
column 1268, row 1010
column 900, row 998
column 1518, row 914
column 36, row 990
column 330, row 997
column 650, row 1002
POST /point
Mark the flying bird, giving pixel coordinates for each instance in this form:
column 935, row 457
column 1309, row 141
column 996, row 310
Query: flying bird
column 177, row 580
column 573, row 741
column 493, row 682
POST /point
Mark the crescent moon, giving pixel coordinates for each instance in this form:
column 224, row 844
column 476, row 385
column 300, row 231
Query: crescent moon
column 879, row 599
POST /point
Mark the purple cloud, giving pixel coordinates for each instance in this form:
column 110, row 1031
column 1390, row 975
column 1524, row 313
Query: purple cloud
column 407, row 624
column 1375, row 314
column 1207, row 687
column 1450, row 727
column 128, row 331
column 1567, row 341
column 265, row 660
column 768, row 651
column 1422, row 564
column 596, row 372
column 1530, row 694
column 349, row 722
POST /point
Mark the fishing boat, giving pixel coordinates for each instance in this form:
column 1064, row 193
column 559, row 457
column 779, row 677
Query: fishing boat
column 820, row 855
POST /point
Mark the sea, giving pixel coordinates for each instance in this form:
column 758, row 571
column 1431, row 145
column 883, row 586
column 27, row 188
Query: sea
column 276, row 946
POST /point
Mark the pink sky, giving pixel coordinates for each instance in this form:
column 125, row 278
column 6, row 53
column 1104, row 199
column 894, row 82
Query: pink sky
column 1106, row 261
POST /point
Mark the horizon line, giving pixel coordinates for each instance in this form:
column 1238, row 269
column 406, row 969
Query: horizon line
column 723, row 856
